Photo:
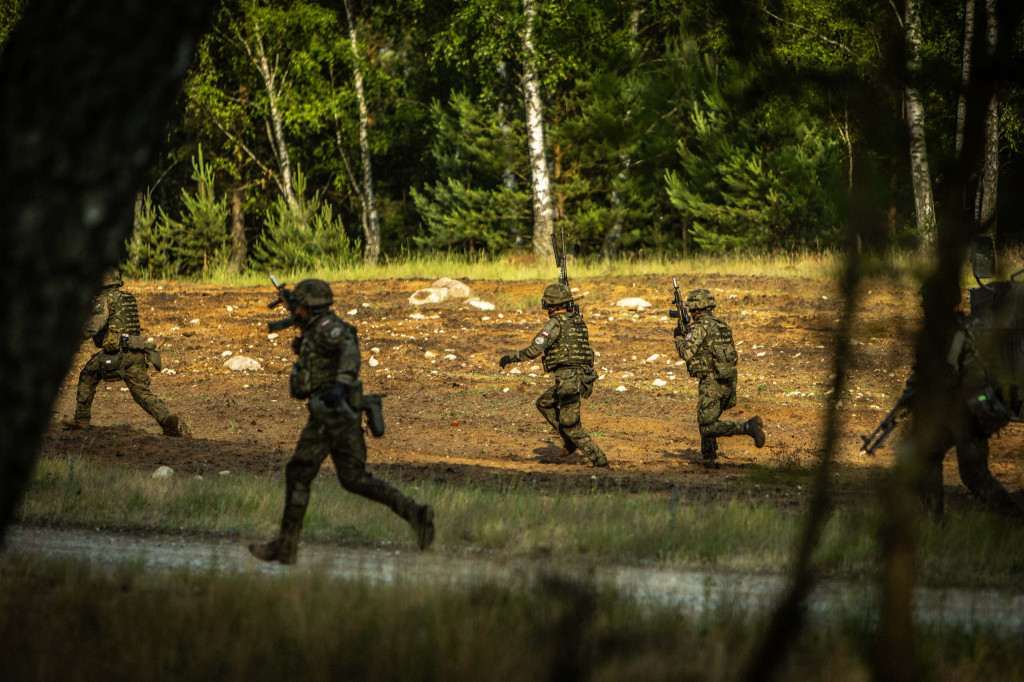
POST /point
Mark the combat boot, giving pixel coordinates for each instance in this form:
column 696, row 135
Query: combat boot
column 754, row 428
column 280, row 550
column 76, row 424
column 421, row 518
column 598, row 460
column 709, row 452
column 170, row 425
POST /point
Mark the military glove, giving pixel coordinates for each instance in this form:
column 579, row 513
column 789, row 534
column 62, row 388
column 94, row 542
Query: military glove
column 677, row 332
column 505, row 361
column 296, row 343
column 333, row 396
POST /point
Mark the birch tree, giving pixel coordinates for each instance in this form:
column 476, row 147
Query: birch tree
column 371, row 221
column 920, row 174
column 543, row 213
column 989, row 186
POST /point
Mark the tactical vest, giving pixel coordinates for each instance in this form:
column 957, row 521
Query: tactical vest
column 572, row 349
column 717, row 355
column 122, row 318
column 319, row 356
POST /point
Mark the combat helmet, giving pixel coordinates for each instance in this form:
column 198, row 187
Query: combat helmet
column 312, row 293
column 112, row 277
column 555, row 296
column 700, row 299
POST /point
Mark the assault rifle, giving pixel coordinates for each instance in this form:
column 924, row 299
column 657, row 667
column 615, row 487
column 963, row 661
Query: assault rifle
column 563, row 273
column 876, row 438
column 284, row 295
column 679, row 312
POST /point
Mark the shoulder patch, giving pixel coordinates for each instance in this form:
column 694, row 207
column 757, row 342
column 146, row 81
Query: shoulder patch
column 540, row 340
column 336, row 332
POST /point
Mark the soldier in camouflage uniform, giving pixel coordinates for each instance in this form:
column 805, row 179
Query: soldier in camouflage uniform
column 710, row 355
column 113, row 325
column 327, row 373
column 565, row 344
column 983, row 404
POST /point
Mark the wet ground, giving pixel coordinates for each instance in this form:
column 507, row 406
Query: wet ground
column 693, row 592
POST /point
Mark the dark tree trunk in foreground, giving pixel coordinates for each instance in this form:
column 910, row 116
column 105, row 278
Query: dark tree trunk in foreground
column 87, row 88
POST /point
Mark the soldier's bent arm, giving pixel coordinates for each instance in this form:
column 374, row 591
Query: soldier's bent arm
column 97, row 317
column 688, row 346
column 348, row 356
column 545, row 337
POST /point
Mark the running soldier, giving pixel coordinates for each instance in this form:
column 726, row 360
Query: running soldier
column 565, row 344
column 706, row 346
column 327, row 374
column 113, row 325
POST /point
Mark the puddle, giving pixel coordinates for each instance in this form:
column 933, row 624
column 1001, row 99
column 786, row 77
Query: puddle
column 693, row 592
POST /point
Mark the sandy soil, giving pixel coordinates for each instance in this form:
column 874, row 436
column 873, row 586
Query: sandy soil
column 455, row 416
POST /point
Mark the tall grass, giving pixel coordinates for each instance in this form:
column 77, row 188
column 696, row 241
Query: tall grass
column 605, row 525
column 75, row 621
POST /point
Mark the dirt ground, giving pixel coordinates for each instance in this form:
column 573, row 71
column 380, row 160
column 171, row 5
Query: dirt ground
column 454, row 416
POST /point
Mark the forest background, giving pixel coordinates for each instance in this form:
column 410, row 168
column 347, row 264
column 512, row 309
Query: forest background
column 320, row 134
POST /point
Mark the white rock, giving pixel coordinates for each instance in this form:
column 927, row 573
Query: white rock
column 226, row 354
column 163, row 472
column 450, row 356
column 194, row 321
column 375, row 350
column 659, row 382
column 515, row 370
column 272, row 336
column 637, row 303
column 456, row 289
column 430, row 295
column 354, row 311
column 620, row 389
column 761, row 354
column 417, row 316
column 534, row 368
column 364, row 304
column 430, row 354
column 653, row 358
column 230, row 309
column 373, row 362
column 241, row 363
column 224, row 473
column 481, row 305
column 168, row 371
column 174, row 329
column 505, row 390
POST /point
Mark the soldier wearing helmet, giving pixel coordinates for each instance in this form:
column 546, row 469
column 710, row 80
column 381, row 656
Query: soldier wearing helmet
column 326, row 373
column 113, row 325
column 565, row 345
column 707, row 347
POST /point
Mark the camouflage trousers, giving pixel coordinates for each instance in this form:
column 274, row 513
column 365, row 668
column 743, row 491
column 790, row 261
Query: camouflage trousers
column 961, row 431
column 347, row 447
column 560, row 406
column 713, row 398
column 133, row 370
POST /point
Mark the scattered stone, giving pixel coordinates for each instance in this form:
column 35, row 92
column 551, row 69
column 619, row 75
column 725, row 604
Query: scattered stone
column 450, row 356
column 224, row 473
column 430, row 354
column 163, row 472
column 515, row 370
column 481, row 305
column 168, row 371
column 534, row 368
column 653, row 358
column 620, row 389
column 194, row 320
column 226, row 354
column 432, row 295
column 375, row 350
column 272, row 336
column 505, row 390
column 659, row 382
column 230, row 309
column 354, row 311
column 417, row 316
column 637, row 303
column 373, row 362
column 241, row 363
column 364, row 304
column 456, row 289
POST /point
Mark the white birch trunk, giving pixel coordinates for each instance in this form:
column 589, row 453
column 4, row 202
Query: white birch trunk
column 543, row 218
column 920, row 173
column 371, row 221
column 990, row 173
column 965, row 74
column 275, row 126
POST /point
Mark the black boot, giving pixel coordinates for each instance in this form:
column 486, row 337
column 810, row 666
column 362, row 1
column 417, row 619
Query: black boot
column 421, row 518
column 754, row 428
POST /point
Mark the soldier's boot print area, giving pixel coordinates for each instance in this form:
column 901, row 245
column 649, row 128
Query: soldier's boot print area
column 754, row 428
column 421, row 518
column 170, row 426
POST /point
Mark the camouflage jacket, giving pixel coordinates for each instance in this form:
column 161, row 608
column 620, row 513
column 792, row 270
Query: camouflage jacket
column 328, row 353
column 113, row 313
column 708, row 349
column 564, row 342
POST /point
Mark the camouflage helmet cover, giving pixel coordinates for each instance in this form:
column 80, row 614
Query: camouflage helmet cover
column 699, row 299
column 312, row 293
column 112, row 277
column 555, row 295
